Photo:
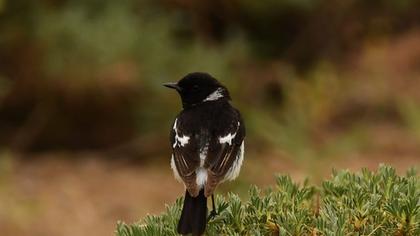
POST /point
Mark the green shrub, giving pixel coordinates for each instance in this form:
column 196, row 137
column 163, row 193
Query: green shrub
column 365, row 203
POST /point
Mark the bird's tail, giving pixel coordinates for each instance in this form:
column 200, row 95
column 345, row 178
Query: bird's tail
column 194, row 213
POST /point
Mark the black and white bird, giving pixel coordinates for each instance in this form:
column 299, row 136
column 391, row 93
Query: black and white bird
column 207, row 139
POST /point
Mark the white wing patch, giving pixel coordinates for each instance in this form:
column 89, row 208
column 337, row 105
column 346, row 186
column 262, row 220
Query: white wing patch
column 179, row 140
column 214, row 95
column 229, row 137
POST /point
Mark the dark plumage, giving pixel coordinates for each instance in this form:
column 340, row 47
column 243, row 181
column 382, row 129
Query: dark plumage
column 207, row 141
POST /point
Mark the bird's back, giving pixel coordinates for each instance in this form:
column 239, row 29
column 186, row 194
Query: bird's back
column 205, row 123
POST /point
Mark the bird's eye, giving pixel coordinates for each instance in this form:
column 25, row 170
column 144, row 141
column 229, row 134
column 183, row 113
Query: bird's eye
column 195, row 87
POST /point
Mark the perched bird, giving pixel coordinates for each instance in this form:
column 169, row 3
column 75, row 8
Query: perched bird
column 207, row 139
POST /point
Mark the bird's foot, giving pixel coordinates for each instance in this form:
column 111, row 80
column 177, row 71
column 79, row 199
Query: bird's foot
column 212, row 214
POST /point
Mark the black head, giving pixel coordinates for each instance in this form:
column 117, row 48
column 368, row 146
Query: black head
column 198, row 87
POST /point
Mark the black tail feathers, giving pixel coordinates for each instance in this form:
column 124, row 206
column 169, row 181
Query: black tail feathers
column 194, row 215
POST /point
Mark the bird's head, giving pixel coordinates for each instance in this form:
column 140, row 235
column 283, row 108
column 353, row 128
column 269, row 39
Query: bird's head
column 196, row 88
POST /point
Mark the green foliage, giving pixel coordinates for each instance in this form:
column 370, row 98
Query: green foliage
column 366, row 203
column 89, row 37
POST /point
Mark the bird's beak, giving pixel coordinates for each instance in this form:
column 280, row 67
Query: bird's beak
column 172, row 86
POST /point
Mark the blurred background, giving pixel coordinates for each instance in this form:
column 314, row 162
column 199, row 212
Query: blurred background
column 84, row 119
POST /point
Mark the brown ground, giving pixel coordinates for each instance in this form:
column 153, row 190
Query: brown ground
column 87, row 196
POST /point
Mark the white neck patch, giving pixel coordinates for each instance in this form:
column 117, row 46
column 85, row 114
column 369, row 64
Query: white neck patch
column 214, row 95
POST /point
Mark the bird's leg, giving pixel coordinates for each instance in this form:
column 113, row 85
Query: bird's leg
column 213, row 205
column 213, row 212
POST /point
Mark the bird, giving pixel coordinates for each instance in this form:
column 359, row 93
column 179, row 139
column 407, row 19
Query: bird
column 207, row 141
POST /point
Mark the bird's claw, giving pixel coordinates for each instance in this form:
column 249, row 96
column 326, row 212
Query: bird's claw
column 212, row 214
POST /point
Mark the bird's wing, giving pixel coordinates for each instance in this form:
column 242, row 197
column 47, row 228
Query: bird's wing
column 223, row 153
column 186, row 156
